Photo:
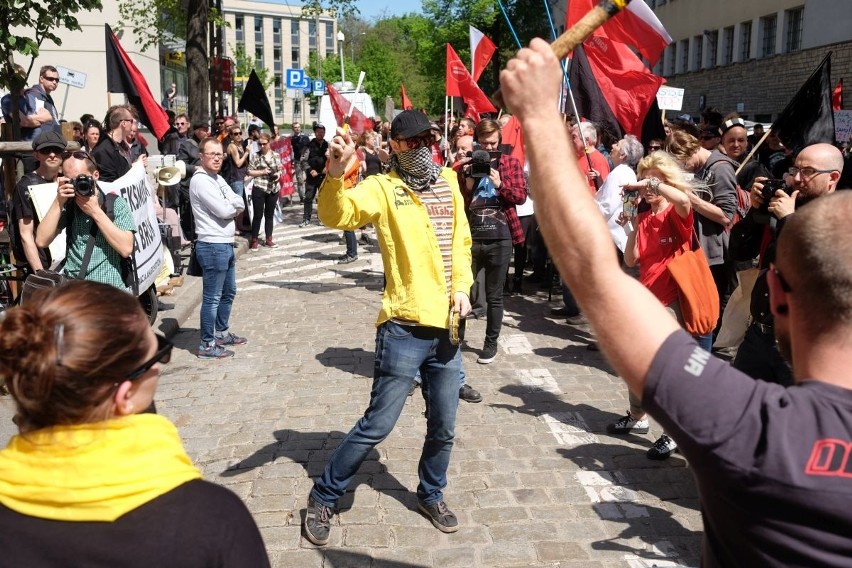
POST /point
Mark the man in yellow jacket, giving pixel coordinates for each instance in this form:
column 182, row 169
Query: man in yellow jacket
column 424, row 237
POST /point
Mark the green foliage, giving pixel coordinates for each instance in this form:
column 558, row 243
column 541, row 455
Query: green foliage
column 155, row 21
column 341, row 8
column 39, row 21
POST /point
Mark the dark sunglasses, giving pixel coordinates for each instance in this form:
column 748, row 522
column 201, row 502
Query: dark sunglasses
column 652, row 148
column 163, row 355
column 237, row 133
column 77, row 155
column 51, row 79
column 416, row 141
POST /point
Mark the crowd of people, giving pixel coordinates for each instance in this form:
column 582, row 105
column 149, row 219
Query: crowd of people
column 612, row 216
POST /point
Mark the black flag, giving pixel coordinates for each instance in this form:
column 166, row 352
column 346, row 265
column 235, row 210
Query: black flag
column 808, row 117
column 124, row 77
column 255, row 101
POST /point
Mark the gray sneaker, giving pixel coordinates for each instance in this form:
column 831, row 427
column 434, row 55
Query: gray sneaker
column 317, row 523
column 443, row 519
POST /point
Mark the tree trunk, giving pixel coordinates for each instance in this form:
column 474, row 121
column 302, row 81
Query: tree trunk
column 197, row 63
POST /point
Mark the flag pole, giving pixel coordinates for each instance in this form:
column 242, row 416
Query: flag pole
column 753, row 150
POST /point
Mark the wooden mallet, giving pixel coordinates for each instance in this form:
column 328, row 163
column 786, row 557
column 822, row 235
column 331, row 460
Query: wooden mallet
column 565, row 44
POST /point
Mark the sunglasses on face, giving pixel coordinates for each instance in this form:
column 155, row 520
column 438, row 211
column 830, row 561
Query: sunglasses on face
column 51, row 79
column 416, row 142
column 77, row 155
column 163, row 355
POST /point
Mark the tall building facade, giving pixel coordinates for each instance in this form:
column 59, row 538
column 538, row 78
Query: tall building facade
column 747, row 57
column 751, row 57
column 278, row 38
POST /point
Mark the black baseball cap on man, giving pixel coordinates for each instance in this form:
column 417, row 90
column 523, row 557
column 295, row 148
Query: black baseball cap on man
column 49, row 139
column 409, row 123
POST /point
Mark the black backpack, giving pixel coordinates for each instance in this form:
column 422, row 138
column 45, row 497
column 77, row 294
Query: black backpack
column 128, row 265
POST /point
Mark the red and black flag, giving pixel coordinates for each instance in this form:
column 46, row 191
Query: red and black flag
column 837, row 96
column 124, row 77
column 808, row 118
column 612, row 86
column 255, row 101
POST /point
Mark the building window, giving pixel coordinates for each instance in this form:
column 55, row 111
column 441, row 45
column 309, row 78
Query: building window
column 294, row 58
column 294, row 32
column 712, row 48
column 671, row 59
column 329, row 40
column 276, row 31
column 258, row 30
column 767, row 35
column 698, row 53
column 239, row 28
column 794, row 29
column 276, row 60
column 312, row 33
column 745, row 41
column 279, row 96
column 297, row 108
column 258, row 56
column 728, row 48
column 684, row 55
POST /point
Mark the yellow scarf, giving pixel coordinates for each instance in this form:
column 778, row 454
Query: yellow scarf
column 93, row 472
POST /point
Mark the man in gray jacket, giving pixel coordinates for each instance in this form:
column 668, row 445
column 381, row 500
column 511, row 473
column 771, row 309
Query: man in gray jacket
column 214, row 206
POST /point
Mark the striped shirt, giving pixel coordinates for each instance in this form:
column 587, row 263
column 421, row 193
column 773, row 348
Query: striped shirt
column 438, row 200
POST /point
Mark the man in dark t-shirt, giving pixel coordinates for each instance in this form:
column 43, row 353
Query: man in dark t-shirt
column 773, row 463
column 48, row 147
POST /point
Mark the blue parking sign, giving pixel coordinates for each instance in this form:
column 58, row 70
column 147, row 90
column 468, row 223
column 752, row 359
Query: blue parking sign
column 295, row 79
column 319, row 87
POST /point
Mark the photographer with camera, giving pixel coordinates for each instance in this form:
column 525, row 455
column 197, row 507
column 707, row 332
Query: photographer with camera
column 83, row 209
column 815, row 174
column 492, row 184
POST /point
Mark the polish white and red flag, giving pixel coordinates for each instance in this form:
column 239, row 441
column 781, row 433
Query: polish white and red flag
column 636, row 25
column 481, row 51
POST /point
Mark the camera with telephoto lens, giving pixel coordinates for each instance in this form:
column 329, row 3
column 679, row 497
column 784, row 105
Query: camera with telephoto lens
column 84, row 185
column 480, row 165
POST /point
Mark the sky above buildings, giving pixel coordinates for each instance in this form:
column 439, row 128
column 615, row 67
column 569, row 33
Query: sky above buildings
column 372, row 10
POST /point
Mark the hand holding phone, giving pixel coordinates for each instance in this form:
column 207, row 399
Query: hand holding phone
column 630, row 203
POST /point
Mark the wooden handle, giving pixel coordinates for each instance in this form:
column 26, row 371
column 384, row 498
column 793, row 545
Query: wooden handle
column 577, row 34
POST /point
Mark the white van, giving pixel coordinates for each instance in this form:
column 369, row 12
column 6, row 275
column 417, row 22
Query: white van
column 362, row 102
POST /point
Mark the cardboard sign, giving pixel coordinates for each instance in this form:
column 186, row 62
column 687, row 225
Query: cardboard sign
column 842, row 125
column 670, row 98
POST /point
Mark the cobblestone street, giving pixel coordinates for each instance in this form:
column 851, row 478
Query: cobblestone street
column 534, row 479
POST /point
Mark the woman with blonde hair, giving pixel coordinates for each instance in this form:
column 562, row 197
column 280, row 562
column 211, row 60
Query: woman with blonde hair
column 657, row 234
column 93, row 480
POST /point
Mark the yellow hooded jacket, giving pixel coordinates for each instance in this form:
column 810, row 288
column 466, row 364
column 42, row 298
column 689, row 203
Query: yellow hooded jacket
column 416, row 286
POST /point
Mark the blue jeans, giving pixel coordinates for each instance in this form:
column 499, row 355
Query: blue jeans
column 219, row 287
column 238, row 187
column 351, row 244
column 400, row 352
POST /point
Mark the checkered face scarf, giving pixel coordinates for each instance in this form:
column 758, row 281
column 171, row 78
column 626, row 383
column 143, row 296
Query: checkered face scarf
column 416, row 167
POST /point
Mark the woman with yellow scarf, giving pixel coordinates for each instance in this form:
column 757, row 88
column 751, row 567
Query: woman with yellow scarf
column 92, row 479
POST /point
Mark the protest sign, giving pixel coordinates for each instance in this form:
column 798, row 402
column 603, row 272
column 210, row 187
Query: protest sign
column 284, row 148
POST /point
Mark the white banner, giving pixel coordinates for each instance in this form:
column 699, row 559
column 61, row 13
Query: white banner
column 670, row 98
column 135, row 188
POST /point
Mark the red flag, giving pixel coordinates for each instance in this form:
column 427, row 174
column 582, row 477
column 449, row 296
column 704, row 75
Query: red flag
column 611, row 85
column 461, row 84
column 124, row 77
column 406, row 103
column 837, row 96
column 481, row 50
column 636, row 25
column 346, row 113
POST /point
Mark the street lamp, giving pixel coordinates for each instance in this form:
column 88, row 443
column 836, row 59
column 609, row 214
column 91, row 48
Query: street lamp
column 340, row 39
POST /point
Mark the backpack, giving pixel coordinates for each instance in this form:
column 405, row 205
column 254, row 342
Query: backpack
column 128, row 265
column 743, row 199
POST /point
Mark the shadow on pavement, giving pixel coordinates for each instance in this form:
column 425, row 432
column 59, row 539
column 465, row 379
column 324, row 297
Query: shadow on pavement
column 311, row 450
column 358, row 360
column 369, row 281
column 346, row 559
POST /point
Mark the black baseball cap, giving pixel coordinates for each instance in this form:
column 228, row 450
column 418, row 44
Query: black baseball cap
column 317, row 126
column 49, row 139
column 409, row 123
